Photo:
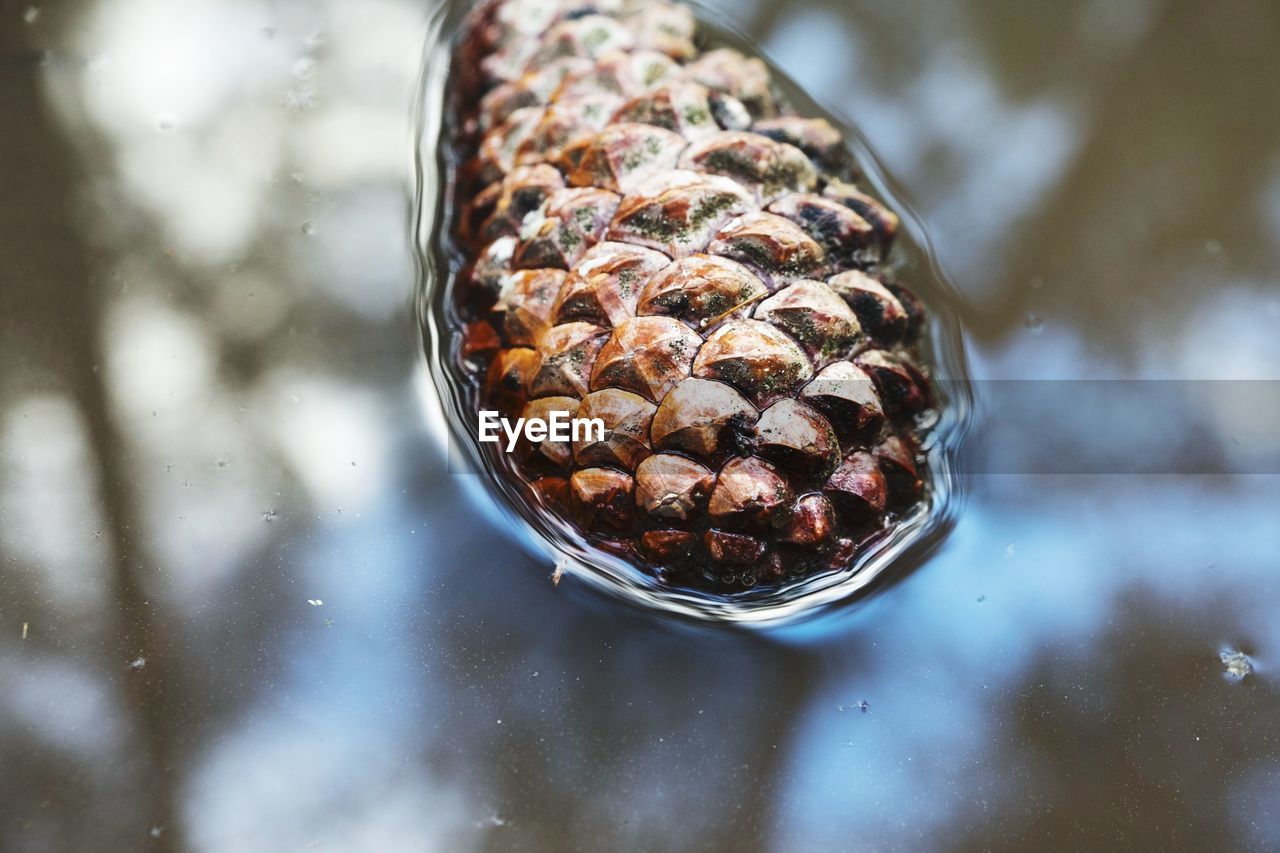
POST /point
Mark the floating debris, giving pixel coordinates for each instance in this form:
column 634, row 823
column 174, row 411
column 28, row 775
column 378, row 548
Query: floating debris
column 559, row 572
column 137, row 663
column 1236, row 664
column 315, row 602
column 269, row 515
column 26, row 627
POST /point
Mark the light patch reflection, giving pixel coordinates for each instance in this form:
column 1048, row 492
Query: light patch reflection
column 48, row 500
column 366, row 269
column 203, row 481
column 246, row 794
column 156, row 59
column 333, row 436
column 206, row 187
column 960, row 104
column 157, row 358
column 1222, row 341
column 812, row 32
column 937, row 130
column 63, row 706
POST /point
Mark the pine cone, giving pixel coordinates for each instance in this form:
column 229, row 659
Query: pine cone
column 659, row 242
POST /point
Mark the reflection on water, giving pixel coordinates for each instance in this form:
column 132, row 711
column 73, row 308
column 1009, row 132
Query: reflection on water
column 209, row 418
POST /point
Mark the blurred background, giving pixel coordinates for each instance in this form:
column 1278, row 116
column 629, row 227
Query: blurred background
column 245, row 607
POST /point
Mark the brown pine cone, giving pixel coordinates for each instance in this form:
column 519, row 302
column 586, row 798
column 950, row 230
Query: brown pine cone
column 657, row 241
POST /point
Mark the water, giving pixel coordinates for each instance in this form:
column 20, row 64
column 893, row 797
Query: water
column 1052, row 676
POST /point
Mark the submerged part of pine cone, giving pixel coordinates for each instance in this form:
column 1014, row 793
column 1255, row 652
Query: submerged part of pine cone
column 658, row 241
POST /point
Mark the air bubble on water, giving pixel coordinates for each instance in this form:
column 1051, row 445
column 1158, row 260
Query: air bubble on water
column 1236, row 664
column 30, row 15
column 309, row 228
column 1034, row 324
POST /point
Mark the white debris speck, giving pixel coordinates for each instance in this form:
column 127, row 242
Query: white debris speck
column 26, row 628
column 156, row 831
column 315, row 602
column 137, row 663
column 269, row 515
column 1237, row 664
column 30, row 15
column 559, row 572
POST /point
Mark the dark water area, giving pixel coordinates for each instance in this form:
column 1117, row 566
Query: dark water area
column 245, row 603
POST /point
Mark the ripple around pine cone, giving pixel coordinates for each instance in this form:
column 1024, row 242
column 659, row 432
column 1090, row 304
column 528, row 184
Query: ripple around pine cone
column 656, row 238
